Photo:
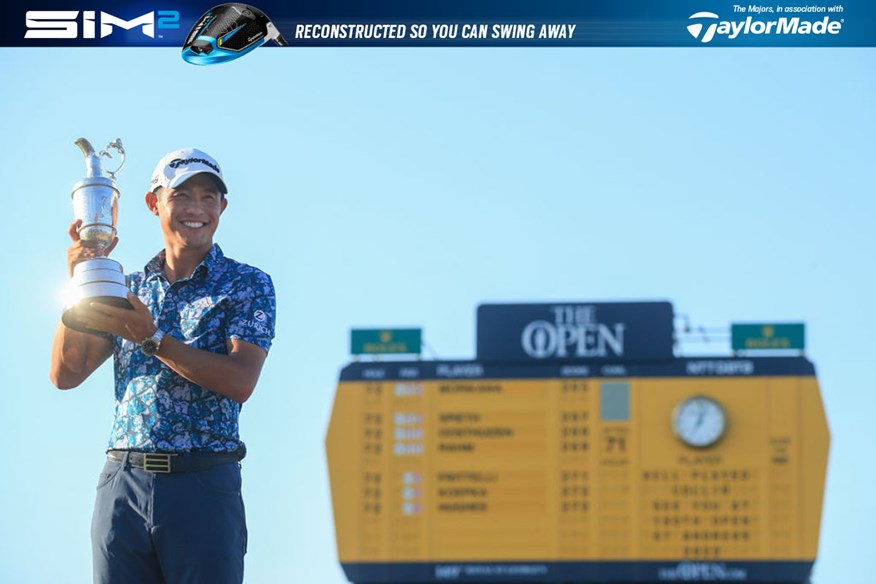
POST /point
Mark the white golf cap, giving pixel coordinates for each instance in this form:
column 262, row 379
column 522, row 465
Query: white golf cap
column 180, row 165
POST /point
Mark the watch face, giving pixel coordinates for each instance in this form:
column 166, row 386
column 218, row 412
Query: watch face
column 699, row 421
column 149, row 347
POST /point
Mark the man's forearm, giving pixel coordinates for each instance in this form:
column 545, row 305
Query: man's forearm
column 75, row 356
column 233, row 375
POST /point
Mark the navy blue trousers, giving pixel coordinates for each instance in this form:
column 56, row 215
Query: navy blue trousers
column 187, row 527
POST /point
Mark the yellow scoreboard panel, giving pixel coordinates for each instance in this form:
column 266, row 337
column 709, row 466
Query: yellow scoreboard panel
column 693, row 470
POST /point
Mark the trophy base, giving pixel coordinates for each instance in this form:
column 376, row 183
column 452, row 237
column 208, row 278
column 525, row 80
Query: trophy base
column 95, row 280
column 71, row 316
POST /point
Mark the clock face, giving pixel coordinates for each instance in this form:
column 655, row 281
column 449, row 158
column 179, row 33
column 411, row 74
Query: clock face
column 699, row 421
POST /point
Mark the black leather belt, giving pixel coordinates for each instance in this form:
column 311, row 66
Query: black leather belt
column 171, row 462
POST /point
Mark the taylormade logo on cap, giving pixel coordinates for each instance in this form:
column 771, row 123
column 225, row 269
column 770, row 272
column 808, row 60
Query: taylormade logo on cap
column 176, row 162
column 180, row 165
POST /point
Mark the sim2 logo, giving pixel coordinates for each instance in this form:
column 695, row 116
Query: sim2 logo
column 706, row 25
column 76, row 24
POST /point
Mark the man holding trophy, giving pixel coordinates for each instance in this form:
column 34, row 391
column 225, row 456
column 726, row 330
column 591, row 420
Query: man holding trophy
column 189, row 335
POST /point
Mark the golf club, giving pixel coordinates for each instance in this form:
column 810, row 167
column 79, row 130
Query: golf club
column 228, row 31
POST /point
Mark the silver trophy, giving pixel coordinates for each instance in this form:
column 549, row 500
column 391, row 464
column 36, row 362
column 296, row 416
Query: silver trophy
column 96, row 203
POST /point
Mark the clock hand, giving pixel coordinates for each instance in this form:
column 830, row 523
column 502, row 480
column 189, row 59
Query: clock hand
column 700, row 417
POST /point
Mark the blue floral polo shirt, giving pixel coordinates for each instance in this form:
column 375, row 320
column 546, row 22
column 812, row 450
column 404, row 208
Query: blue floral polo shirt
column 159, row 410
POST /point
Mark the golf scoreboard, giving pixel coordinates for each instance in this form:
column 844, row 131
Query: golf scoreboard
column 577, row 448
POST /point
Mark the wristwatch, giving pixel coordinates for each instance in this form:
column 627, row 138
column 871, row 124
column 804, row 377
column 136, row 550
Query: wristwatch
column 149, row 345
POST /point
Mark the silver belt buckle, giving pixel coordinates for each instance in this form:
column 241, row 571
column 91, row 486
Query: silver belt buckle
column 156, row 462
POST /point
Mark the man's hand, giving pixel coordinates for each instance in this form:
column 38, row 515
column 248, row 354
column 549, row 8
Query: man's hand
column 79, row 251
column 131, row 324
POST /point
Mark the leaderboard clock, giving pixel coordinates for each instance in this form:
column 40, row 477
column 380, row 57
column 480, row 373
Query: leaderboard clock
column 584, row 455
column 699, row 421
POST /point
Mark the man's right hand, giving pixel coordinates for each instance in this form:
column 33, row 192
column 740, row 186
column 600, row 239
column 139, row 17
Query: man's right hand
column 79, row 252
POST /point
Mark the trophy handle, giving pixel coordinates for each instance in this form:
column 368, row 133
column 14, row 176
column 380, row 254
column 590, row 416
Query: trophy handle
column 117, row 144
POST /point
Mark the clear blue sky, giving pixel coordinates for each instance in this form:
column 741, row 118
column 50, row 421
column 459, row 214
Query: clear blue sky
column 403, row 187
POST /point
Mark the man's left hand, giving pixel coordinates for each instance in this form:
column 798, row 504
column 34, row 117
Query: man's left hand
column 133, row 324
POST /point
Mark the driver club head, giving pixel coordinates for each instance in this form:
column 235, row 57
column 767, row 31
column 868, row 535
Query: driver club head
column 228, row 31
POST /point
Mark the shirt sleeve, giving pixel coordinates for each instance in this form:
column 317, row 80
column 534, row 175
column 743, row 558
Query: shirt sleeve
column 254, row 311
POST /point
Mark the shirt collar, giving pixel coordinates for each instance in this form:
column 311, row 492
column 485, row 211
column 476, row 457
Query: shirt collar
column 210, row 264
